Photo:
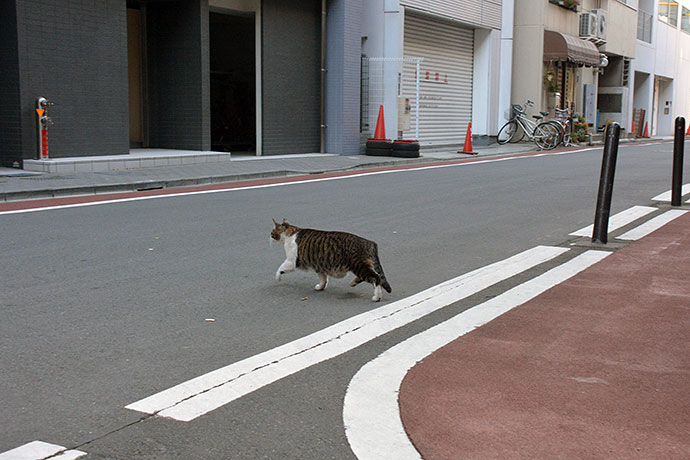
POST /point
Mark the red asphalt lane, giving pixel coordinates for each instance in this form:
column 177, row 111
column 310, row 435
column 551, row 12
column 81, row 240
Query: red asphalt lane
column 105, row 197
column 598, row 367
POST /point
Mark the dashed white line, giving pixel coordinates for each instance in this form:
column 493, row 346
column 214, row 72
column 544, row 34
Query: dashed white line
column 666, row 196
column 652, row 225
column 39, row 450
column 619, row 220
column 371, row 413
column 210, row 391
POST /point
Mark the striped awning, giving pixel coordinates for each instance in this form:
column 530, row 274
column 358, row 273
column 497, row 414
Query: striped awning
column 564, row 47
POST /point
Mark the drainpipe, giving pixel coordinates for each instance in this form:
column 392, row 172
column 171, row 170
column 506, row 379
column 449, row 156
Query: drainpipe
column 323, row 76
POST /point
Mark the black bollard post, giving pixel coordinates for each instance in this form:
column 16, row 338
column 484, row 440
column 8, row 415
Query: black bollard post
column 678, row 147
column 608, row 170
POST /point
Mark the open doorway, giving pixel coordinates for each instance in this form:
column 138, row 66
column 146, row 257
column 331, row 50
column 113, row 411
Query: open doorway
column 233, row 81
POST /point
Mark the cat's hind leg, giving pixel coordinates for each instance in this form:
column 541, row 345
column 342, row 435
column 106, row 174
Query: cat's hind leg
column 378, row 293
column 323, row 281
column 366, row 272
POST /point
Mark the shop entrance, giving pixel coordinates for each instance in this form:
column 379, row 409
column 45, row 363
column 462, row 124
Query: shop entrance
column 233, row 81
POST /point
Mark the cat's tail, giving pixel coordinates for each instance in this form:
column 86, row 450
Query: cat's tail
column 379, row 270
column 385, row 285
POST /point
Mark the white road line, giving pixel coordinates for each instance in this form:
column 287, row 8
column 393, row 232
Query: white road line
column 39, row 450
column 371, row 413
column 281, row 184
column 203, row 394
column 619, row 220
column 652, row 225
column 666, row 196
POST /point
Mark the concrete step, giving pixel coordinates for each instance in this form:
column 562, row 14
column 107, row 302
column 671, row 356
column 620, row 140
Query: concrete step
column 136, row 159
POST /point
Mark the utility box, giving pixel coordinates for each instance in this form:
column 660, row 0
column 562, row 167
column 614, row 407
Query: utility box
column 612, row 104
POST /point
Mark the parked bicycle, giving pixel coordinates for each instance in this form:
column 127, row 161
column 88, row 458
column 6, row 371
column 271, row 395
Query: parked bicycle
column 545, row 134
column 564, row 121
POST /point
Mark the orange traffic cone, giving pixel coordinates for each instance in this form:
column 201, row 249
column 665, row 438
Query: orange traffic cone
column 467, row 148
column 687, row 133
column 380, row 132
column 646, row 132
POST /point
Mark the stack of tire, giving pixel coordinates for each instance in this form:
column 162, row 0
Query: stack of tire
column 402, row 148
column 405, row 148
column 379, row 147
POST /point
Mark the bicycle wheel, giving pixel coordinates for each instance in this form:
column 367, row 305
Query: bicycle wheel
column 519, row 135
column 561, row 131
column 507, row 132
column 546, row 136
column 568, row 140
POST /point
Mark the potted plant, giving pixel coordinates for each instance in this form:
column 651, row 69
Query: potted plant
column 550, row 81
column 580, row 128
column 568, row 4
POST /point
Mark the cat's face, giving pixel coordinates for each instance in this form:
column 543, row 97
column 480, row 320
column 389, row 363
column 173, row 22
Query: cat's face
column 281, row 230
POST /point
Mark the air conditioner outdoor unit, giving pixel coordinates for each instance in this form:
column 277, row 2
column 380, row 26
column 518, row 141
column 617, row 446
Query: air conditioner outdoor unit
column 588, row 25
column 602, row 23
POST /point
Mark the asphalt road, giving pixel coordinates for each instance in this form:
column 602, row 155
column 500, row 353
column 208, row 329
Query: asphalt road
column 105, row 305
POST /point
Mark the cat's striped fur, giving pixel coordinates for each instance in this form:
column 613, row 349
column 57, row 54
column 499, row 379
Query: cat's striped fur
column 331, row 254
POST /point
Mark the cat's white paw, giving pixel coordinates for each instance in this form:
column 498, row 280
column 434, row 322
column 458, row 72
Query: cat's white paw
column 279, row 275
column 377, row 294
column 323, row 281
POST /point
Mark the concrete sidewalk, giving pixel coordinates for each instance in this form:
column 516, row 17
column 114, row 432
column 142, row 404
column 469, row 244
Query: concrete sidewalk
column 152, row 169
column 145, row 169
column 598, row 367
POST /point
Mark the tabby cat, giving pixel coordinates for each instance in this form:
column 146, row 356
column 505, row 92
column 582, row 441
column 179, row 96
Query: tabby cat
column 330, row 254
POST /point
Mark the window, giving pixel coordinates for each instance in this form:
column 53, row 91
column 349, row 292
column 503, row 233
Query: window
column 644, row 26
column 668, row 12
column 685, row 20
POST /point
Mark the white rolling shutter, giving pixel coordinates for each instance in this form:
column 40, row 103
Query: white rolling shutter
column 445, row 81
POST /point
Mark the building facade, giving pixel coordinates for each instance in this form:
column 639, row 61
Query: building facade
column 227, row 75
column 435, row 66
column 661, row 70
column 259, row 76
column 301, row 76
column 641, row 79
column 568, row 52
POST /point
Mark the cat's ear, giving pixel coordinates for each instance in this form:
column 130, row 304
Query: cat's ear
column 285, row 222
column 275, row 223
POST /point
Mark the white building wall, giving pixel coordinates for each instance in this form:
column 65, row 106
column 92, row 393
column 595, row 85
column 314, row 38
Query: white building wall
column 383, row 27
column 666, row 49
column 662, row 74
column 506, row 57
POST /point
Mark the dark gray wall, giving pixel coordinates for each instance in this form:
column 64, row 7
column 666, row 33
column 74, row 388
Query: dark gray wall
column 343, row 62
column 10, row 125
column 178, row 75
column 291, row 76
column 75, row 53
